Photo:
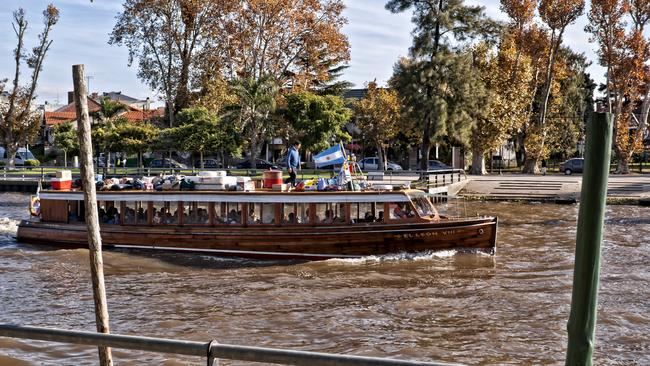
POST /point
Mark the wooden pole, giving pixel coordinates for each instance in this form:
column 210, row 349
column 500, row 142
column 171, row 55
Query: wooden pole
column 90, row 198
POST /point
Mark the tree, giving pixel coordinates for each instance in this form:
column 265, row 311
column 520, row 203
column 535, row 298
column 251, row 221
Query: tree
column 65, row 138
column 506, row 77
column 255, row 102
column 378, row 116
column 199, row 131
column 625, row 55
column 108, row 112
column 557, row 15
column 318, row 120
column 436, row 83
column 134, row 138
column 288, row 40
column 18, row 122
column 165, row 36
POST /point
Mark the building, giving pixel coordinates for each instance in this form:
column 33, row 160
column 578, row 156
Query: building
column 136, row 111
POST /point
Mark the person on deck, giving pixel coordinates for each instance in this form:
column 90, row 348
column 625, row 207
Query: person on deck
column 293, row 163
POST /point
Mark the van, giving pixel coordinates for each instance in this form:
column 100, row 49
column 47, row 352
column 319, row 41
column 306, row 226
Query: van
column 22, row 155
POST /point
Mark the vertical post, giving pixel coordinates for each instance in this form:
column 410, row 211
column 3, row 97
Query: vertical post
column 90, row 199
column 584, row 298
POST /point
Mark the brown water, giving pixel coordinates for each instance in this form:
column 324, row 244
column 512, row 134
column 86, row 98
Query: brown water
column 468, row 308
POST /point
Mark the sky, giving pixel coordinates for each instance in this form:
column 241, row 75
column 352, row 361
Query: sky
column 377, row 40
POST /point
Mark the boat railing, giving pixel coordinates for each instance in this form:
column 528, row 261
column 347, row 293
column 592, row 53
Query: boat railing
column 211, row 350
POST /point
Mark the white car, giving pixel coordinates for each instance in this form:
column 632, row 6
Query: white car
column 21, row 155
column 373, row 164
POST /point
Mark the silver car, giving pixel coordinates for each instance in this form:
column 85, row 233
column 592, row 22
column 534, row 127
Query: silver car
column 372, row 163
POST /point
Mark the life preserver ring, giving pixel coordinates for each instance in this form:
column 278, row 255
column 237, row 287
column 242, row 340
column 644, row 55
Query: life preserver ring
column 35, row 206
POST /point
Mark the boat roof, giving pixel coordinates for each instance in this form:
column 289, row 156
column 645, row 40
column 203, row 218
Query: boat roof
column 234, row 196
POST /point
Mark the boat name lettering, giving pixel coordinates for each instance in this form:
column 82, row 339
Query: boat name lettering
column 428, row 234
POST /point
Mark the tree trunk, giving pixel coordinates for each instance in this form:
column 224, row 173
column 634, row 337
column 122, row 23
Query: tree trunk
column 531, row 166
column 170, row 113
column 65, row 158
column 253, row 148
column 623, row 162
column 426, row 146
column 11, row 150
column 201, row 157
column 380, row 156
column 478, row 162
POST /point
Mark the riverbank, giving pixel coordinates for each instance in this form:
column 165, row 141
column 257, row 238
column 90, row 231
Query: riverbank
column 627, row 190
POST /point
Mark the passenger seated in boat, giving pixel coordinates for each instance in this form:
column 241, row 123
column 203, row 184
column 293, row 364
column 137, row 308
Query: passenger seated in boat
column 369, row 217
column 292, row 218
column 204, row 218
column 329, row 217
column 142, row 216
column 380, row 216
column 113, row 216
column 252, row 218
column 233, row 217
column 102, row 216
column 156, row 218
column 400, row 212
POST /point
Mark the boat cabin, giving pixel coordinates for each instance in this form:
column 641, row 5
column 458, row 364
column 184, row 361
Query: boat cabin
column 241, row 208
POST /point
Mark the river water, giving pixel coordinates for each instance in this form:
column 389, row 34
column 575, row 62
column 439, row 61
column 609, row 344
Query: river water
column 454, row 307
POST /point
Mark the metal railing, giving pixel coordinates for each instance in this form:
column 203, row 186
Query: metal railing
column 211, row 350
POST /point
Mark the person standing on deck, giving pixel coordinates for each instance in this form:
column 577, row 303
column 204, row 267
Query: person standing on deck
column 293, row 163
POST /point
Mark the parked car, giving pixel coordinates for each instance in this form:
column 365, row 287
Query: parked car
column 166, row 163
column 21, row 155
column 575, row 165
column 438, row 165
column 208, row 164
column 259, row 164
column 372, row 163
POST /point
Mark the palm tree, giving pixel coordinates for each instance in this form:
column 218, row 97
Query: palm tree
column 109, row 109
column 108, row 112
column 256, row 100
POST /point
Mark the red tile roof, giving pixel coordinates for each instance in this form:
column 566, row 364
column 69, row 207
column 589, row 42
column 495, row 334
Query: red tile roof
column 139, row 115
column 54, row 118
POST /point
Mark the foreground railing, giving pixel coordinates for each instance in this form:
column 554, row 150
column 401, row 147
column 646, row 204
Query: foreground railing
column 211, row 350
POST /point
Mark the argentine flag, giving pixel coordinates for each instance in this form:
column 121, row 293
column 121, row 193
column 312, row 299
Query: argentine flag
column 331, row 156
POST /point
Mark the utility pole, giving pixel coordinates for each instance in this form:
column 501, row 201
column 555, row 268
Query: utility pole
column 91, row 215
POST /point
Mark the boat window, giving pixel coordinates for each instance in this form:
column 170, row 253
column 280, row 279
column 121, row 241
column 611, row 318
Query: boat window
column 423, row 205
column 295, row 213
column 261, row 213
column 220, row 212
column 367, row 212
column 195, row 213
column 400, row 211
column 227, row 213
column 165, row 213
column 330, row 213
column 135, row 213
column 109, row 212
column 76, row 211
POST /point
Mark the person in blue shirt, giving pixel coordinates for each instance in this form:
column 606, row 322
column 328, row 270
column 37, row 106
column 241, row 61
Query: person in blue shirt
column 293, row 162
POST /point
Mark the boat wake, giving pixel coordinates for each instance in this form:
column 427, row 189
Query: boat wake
column 403, row 256
column 8, row 227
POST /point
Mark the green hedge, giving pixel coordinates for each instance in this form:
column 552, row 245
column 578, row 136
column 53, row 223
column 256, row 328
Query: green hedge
column 32, row 163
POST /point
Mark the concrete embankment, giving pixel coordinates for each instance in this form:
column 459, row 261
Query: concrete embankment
column 632, row 189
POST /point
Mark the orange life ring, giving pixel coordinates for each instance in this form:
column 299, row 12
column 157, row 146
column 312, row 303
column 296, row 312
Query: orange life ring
column 35, row 206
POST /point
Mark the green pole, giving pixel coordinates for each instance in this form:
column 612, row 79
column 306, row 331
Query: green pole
column 584, row 299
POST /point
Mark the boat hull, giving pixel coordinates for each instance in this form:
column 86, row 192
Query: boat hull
column 291, row 242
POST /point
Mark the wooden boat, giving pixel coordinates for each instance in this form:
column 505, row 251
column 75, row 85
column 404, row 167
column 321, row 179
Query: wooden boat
column 296, row 225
